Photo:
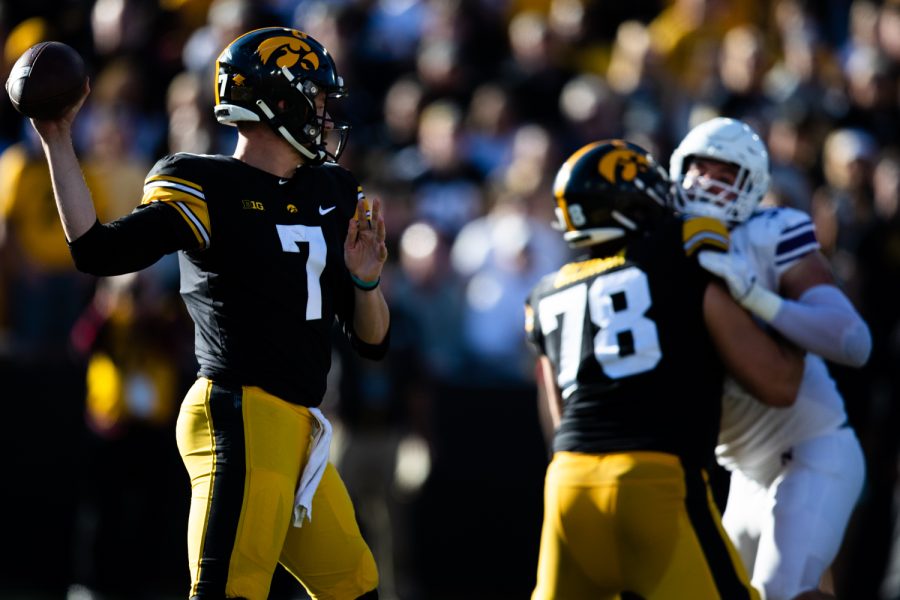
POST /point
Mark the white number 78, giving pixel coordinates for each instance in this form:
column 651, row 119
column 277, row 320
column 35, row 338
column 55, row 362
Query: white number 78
column 632, row 288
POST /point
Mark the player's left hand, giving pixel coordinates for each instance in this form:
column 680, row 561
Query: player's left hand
column 364, row 249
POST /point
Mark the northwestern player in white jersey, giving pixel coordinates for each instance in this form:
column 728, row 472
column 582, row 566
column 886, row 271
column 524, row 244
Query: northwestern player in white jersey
column 796, row 473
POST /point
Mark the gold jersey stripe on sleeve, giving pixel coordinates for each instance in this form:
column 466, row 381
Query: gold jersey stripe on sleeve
column 200, row 230
column 186, row 197
column 175, row 181
column 704, row 233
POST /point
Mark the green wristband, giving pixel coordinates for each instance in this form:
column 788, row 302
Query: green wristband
column 366, row 286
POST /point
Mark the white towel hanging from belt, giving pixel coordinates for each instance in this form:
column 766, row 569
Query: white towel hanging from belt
column 315, row 468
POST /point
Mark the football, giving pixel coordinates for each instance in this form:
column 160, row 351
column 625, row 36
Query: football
column 46, row 80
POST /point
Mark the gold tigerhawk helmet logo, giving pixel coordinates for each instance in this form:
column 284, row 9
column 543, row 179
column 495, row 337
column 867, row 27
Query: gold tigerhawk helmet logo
column 291, row 208
column 622, row 164
column 291, row 50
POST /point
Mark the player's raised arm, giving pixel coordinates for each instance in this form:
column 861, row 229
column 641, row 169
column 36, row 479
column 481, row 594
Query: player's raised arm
column 73, row 199
column 48, row 84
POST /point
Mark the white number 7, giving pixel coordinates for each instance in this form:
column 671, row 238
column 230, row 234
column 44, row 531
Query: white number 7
column 223, row 79
column 291, row 237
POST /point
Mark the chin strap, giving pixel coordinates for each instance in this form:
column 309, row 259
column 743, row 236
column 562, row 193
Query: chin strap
column 314, row 158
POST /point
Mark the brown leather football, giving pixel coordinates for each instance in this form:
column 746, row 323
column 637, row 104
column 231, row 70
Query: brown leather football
column 47, row 79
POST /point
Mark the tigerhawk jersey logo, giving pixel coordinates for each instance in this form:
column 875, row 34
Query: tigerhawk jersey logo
column 291, row 50
column 622, row 164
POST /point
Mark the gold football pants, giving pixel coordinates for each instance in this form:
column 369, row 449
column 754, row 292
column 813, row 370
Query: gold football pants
column 244, row 450
column 633, row 522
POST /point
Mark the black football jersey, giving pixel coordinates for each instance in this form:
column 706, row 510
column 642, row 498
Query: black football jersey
column 626, row 335
column 264, row 275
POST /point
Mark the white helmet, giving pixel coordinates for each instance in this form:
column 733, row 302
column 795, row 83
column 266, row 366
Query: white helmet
column 731, row 141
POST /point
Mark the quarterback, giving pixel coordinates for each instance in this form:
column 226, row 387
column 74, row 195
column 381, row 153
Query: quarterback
column 275, row 243
column 796, row 473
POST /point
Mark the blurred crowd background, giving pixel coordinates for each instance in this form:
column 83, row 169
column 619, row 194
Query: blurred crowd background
column 462, row 112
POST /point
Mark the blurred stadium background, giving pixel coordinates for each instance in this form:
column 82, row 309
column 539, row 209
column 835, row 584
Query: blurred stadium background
column 462, row 112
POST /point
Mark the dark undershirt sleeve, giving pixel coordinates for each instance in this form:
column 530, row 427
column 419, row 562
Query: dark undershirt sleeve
column 367, row 350
column 133, row 242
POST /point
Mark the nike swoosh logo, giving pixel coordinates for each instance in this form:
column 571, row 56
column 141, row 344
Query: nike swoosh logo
column 283, row 181
column 325, row 211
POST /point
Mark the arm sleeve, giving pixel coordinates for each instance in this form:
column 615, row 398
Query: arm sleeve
column 824, row 322
column 133, row 242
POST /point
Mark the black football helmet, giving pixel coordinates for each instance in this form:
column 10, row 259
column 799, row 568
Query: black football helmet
column 607, row 190
column 273, row 75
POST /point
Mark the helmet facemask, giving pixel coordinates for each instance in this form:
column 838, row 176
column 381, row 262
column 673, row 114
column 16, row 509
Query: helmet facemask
column 702, row 195
column 306, row 127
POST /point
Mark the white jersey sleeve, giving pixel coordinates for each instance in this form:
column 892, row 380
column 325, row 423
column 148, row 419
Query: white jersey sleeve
column 794, row 235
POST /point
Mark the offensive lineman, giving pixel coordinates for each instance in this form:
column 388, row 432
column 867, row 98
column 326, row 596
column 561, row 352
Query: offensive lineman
column 633, row 342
